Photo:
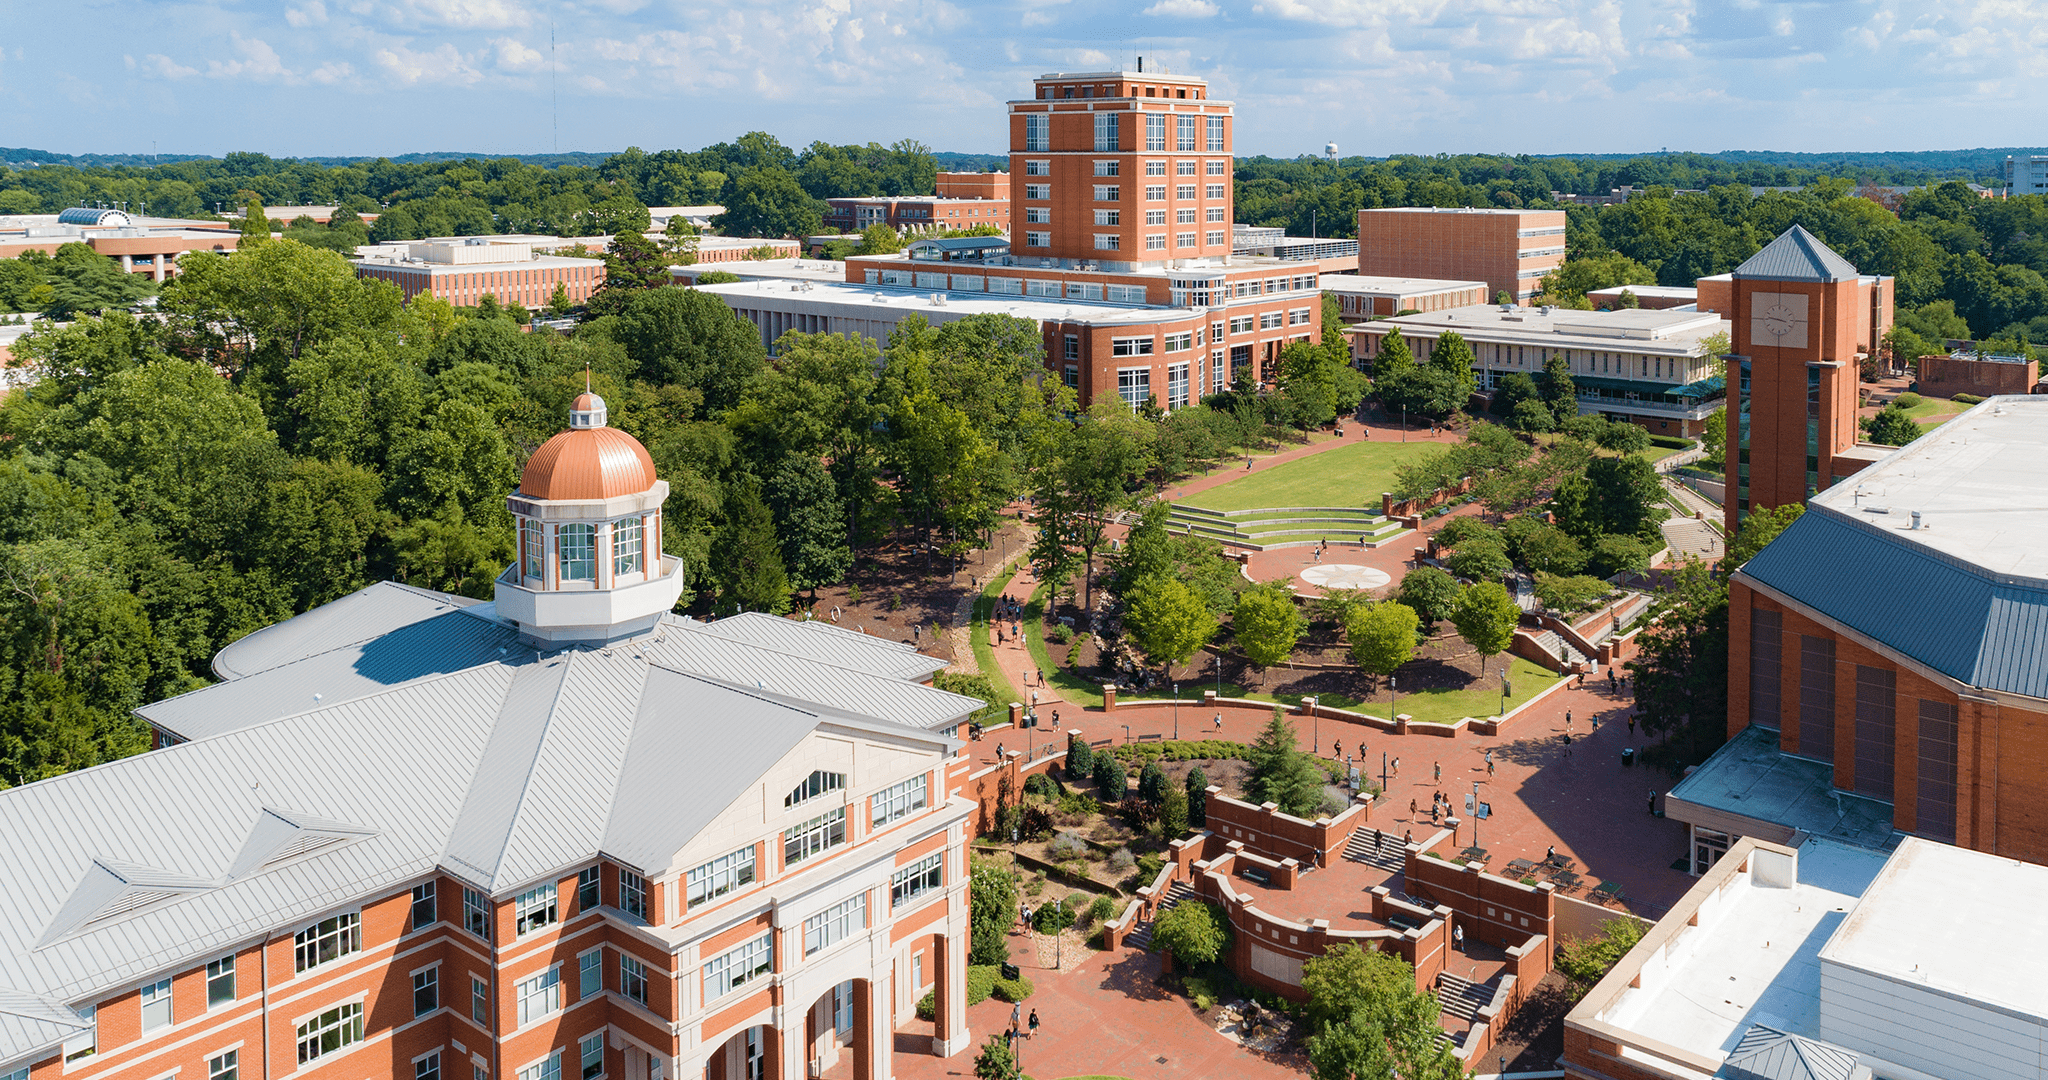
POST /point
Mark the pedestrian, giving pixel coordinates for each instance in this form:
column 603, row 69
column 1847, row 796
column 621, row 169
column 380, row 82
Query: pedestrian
column 1361, row 539
column 1055, row 719
column 1410, row 838
column 1434, row 810
column 1610, row 681
column 999, row 751
column 1439, row 772
column 1458, row 938
column 1567, row 719
column 999, row 633
column 1219, row 721
column 1581, row 684
column 1016, row 1019
column 1337, row 749
column 1631, row 725
column 1319, row 554
column 1489, row 766
column 1034, row 1023
column 1041, row 676
column 1567, row 744
column 1653, row 802
column 1411, row 808
column 1551, row 854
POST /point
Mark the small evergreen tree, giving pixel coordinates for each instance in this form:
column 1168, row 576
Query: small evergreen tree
column 1173, row 812
column 1198, row 797
column 1152, row 782
column 1279, row 772
column 1080, row 758
column 1110, row 779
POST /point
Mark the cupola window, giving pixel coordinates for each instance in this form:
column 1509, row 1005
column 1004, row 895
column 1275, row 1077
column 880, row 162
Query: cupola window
column 532, row 548
column 626, row 546
column 577, row 547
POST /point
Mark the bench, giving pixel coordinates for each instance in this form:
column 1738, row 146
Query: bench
column 1257, row 873
column 1149, row 738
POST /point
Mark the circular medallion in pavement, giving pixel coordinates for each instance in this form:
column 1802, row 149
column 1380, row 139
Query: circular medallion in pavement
column 1344, row 576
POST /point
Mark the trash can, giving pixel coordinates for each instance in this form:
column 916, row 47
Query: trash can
column 1628, row 755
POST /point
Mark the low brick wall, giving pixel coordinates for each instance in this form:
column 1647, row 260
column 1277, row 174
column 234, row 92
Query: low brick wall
column 1412, row 508
column 1947, row 376
column 1268, row 832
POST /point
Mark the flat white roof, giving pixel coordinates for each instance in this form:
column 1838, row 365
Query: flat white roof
column 1676, row 292
column 1954, row 920
column 1976, row 481
column 1392, row 286
column 1669, row 331
column 741, row 242
column 1758, row 960
column 864, row 301
column 1453, row 210
column 772, row 269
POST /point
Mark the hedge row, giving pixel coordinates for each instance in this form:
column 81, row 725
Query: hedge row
column 1181, row 750
column 981, row 983
column 1671, row 442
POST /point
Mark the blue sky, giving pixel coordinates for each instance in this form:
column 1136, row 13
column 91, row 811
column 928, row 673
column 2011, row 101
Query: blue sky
column 367, row 77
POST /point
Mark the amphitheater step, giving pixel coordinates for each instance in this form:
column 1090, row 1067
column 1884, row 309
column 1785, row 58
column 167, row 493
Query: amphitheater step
column 1141, row 935
column 1380, row 849
column 1461, row 998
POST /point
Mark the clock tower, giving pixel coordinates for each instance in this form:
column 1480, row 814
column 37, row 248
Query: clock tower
column 1801, row 320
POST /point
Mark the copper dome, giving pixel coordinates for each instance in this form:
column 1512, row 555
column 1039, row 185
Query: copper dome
column 589, row 463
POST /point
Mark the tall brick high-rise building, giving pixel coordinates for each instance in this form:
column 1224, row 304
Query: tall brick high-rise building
column 1510, row 250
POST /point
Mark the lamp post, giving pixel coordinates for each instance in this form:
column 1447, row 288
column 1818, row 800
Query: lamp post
column 1127, row 733
column 1176, row 712
column 1391, row 695
column 1219, row 674
column 1315, row 726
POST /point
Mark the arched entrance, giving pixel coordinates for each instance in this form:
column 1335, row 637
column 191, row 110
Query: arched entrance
column 841, row 1040
column 749, row 1054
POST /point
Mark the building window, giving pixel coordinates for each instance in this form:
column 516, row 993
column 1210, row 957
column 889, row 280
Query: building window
column 1038, row 168
column 1155, row 193
column 633, row 978
column 1038, row 191
column 224, row 1066
column 426, row 991
column 1109, row 217
column 424, row 913
column 220, row 981
column 1217, row 213
column 1176, row 386
column 476, row 913
column 1155, row 132
column 1041, row 287
column 1155, row 242
column 589, row 974
column 1070, row 350
column 1134, row 385
column 814, row 785
column 1084, row 290
column 479, row 1001
column 536, row 908
column 1071, row 377
column 721, row 875
column 1108, row 168
column 1244, row 324
column 339, row 1027
column 1934, row 812
column 1038, row 239
column 923, row 876
column 1125, row 294
column 1214, row 191
column 1186, row 239
column 328, row 940
column 1876, row 730
column 633, row 894
column 1183, row 168
column 587, row 896
column 540, row 996
column 576, row 552
column 1180, row 342
column 1130, row 346
column 1218, row 168
column 1184, row 132
column 836, row 923
column 592, row 1048
column 1270, row 320
column 1299, row 316
column 1105, row 131
column 549, row 1068
column 735, row 969
column 1155, row 217
column 1216, row 368
column 1766, row 667
column 813, row 837
column 1038, row 215
column 156, row 1005
column 1107, row 193
column 1155, row 168
column 1185, row 215
column 533, row 544
column 1107, row 241
column 85, row 1043
column 1817, row 697
column 427, row 1067
column 626, row 547
column 1037, row 131
column 1184, row 191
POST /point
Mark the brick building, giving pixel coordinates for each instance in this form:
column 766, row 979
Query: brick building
column 1510, row 250
column 1976, row 373
column 462, row 269
column 964, row 200
column 1126, row 203
column 1802, row 319
column 1362, row 298
column 140, row 245
column 561, row 834
column 1654, row 297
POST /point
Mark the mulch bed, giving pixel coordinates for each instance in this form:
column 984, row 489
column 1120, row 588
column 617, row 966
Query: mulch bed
column 902, row 587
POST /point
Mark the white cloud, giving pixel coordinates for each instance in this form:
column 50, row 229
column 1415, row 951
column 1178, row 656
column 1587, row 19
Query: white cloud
column 258, row 61
column 463, row 14
column 512, row 55
column 1185, row 9
column 443, row 64
column 313, row 14
column 163, row 67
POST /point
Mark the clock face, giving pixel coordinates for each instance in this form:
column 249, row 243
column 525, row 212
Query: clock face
column 1778, row 320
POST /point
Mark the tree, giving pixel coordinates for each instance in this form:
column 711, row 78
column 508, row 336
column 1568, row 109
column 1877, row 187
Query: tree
column 1759, row 527
column 1585, row 961
column 1544, row 548
column 991, row 908
column 1620, row 495
column 1168, row 620
column 1198, row 797
column 1369, row 1022
column 1623, row 438
column 1382, row 636
column 1430, row 593
column 768, row 203
column 1267, row 623
column 688, row 338
column 1513, row 389
column 1193, row 932
column 1627, row 301
column 632, row 264
column 809, row 523
column 1173, row 811
column 997, row 1060
column 1080, row 758
column 1587, row 273
column 1613, row 555
column 1454, row 359
column 1557, row 388
column 1111, row 782
column 255, row 226
column 1892, row 426
column 1152, row 781
column 1085, row 478
column 1486, row 617
column 1567, row 594
column 1479, row 560
column 1681, row 666
column 81, row 280
column 750, row 573
column 1278, row 772
column 879, row 239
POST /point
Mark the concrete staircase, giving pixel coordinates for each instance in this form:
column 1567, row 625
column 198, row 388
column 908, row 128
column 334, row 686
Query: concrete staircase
column 1141, row 935
column 1285, row 526
column 1461, row 998
column 1390, row 853
column 1558, row 647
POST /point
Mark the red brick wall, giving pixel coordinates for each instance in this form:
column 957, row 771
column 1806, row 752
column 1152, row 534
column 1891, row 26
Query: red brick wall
column 1947, row 376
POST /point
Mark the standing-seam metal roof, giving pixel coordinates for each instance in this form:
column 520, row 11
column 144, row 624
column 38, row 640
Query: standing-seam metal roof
column 358, row 617
column 825, row 641
column 1988, row 631
column 443, row 743
column 1797, row 255
column 1766, row 1053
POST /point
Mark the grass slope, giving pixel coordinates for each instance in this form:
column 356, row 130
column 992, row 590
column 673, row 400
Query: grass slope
column 1351, row 476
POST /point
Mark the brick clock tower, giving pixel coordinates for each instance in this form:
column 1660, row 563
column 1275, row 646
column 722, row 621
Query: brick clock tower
column 1802, row 319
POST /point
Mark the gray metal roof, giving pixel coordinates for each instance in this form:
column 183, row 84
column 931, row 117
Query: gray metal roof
column 361, row 615
column 1796, row 255
column 962, row 243
column 1988, row 631
column 1766, row 1053
column 443, row 743
column 830, row 643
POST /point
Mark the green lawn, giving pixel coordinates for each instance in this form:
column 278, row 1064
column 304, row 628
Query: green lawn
column 1352, row 476
column 1935, row 408
column 1083, row 692
column 1658, row 453
column 977, row 632
column 1429, row 706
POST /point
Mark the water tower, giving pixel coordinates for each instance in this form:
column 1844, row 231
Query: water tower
column 1330, row 151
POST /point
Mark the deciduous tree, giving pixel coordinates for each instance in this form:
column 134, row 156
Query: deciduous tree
column 1485, row 617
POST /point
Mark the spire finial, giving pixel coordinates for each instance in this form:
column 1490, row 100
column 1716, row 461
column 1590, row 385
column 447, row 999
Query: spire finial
column 586, row 376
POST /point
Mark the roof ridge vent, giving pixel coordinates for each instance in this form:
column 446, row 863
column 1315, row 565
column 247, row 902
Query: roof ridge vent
column 115, row 889
column 283, row 836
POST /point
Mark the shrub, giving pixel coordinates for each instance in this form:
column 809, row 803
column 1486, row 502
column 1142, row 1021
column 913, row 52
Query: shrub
column 1080, row 759
column 1111, row 782
column 1102, row 910
column 1149, row 867
column 1041, row 784
column 1200, row 992
column 1073, row 802
column 1570, row 594
column 1966, row 399
column 1012, row 990
column 981, row 981
column 1122, row 861
column 1053, row 918
column 1671, row 442
column 1060, row 634
column 1037, row 822
column 1908, row 400
column 1066, row 846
